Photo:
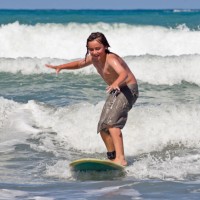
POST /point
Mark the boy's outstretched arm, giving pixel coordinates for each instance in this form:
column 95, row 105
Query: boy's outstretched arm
column 71, row 65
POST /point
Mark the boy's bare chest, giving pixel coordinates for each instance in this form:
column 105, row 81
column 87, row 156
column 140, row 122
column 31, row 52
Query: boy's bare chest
column 107, row 73
column 103, row 70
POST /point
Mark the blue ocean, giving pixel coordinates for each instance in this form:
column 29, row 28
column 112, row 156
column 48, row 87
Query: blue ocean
column 49, row 120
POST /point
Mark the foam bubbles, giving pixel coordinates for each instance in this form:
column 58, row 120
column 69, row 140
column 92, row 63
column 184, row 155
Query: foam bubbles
column 68, row 41
column 167, row 70
column 59, row 170
column 114, row 191
column 175, row 168
column 153, row 128
column 151, row 137
column 12, row 194
column 156, row 70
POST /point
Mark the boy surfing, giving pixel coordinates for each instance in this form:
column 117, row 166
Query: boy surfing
column 122, row 92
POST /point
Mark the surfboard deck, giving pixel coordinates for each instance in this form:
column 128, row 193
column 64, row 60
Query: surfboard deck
column 93, row 164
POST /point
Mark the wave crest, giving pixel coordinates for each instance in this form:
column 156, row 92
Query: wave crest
column 69, row 40
column 151, row 69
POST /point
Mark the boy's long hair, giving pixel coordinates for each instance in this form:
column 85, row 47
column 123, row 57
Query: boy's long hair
column 100, row 37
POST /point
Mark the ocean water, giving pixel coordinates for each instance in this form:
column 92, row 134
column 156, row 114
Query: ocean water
column 48, row 120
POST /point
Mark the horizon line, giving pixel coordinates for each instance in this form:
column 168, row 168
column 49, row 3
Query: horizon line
column 106, row 9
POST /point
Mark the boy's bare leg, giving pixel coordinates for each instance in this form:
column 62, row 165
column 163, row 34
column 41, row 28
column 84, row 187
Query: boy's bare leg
column 117, row 139
column 107, row 141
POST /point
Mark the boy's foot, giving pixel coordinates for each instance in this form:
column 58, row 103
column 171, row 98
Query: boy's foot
column 120, row 162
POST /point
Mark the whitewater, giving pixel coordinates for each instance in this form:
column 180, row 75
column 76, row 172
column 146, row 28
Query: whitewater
column 19, row 40
column 48, row 120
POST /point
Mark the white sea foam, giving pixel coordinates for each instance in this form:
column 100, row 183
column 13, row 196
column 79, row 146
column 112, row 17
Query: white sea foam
column 113, row 191
column 151, row 129
column 154, row 128
column 68, row 41
column 6, row 107
column 7, row 194
column 148, row 68
column 166, row 70
column 185, row 10
column 14, row 119
column 177, row 168
column 148, row 130
column 59, row 170
column 12, row 194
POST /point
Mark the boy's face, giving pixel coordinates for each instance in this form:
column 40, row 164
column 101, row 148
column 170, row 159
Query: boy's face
column 96, row 49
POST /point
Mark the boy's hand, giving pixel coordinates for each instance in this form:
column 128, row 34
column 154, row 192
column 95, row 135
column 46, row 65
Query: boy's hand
column 112, row 87
column 53, row 67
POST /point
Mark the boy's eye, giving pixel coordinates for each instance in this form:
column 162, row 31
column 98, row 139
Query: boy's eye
column 97, row 49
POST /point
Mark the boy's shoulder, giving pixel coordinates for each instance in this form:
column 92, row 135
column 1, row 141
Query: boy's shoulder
column 112, row 55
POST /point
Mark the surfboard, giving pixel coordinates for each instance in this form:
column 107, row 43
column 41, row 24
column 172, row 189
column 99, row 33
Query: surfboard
column 93, row 164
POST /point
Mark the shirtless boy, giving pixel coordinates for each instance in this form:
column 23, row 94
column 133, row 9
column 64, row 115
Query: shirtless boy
column 122, row 89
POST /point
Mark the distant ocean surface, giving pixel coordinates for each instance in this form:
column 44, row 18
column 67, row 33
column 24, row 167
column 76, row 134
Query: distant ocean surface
column 48, row 120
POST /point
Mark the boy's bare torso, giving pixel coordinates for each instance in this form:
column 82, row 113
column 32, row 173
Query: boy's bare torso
column 109, row 74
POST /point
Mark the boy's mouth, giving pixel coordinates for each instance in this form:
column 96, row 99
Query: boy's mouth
column 96, row 56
